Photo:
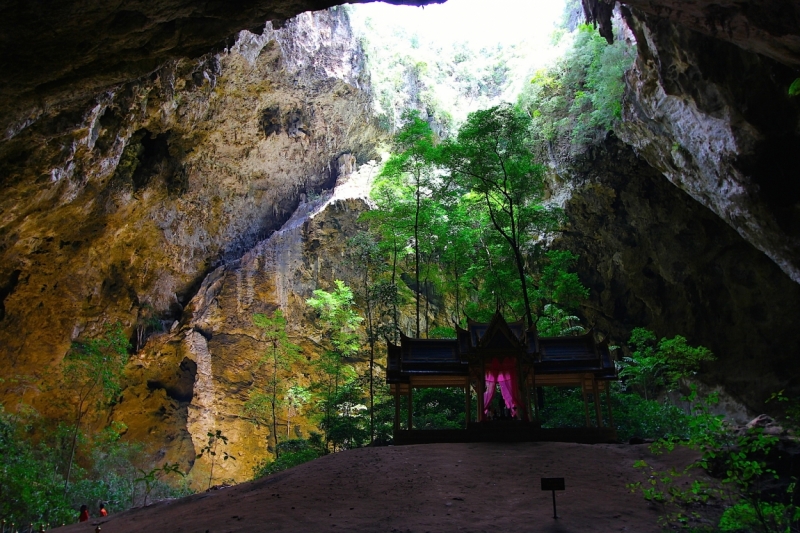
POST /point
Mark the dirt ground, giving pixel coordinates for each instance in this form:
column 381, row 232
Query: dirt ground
column 480, row 487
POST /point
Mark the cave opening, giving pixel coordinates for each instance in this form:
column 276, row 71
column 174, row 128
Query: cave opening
column 650, row 254
column 457, row 57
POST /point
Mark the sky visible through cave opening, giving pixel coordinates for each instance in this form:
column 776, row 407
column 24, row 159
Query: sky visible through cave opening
column 470, row 54
column 479, row 22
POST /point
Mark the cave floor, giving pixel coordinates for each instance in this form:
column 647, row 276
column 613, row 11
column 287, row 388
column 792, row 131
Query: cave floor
column 474, row 487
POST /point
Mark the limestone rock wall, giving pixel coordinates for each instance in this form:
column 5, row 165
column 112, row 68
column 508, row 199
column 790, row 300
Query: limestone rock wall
column 654, row 257
column 62, row 54
column 717, row 121
column 120, row 208
column 217, row 335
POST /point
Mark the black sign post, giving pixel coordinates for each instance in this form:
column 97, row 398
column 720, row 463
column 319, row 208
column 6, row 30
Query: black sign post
column 553, row 484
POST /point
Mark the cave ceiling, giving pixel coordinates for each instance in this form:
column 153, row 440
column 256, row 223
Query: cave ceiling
column 68, row 51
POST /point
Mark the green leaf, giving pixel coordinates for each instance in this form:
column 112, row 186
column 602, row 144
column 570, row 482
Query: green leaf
column 794, row 88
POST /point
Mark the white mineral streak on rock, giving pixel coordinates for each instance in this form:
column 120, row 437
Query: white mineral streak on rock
column 202, row 411
column 282, row 252
column 239, row 295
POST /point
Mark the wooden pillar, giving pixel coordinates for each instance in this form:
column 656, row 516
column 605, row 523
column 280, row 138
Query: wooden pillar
column 608, row 401
column 481, row 407
column 597, row 409
column 396, row 407
column 467, row 406
column 585, row 401
column 410, row 407
column 535, row 403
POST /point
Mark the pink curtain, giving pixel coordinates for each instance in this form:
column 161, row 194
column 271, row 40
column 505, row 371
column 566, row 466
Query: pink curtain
column 505, row 374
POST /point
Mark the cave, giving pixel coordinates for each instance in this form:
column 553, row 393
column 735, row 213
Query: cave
column 191, row 183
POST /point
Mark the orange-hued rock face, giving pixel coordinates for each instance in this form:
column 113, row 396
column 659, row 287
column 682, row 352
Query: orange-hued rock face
column 118, row 209
column 219, row 346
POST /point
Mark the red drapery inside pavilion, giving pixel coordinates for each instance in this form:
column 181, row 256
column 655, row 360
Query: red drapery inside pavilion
column 503, row 373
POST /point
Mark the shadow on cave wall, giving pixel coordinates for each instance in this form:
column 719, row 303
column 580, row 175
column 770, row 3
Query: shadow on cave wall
column 655, row 258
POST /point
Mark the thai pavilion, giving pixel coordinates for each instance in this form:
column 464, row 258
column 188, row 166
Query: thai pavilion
column 505, row 356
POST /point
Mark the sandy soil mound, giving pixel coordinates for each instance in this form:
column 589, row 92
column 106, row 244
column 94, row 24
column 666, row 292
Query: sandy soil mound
column 477, row 487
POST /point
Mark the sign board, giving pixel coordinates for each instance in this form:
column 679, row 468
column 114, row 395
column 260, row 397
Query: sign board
column 553, row 483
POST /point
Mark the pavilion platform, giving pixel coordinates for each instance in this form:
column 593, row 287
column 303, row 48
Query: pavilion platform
column 502, row 431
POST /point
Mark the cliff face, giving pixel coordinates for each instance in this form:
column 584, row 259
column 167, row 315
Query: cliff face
column 196, row 379
column 61, row 55
column 710, row 252
column 717, row 121
column 119, row 209
column 655, row 258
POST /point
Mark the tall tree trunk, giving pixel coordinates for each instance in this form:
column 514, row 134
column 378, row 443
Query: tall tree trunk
column 72, row 447
column 416, row 254
column 275, row 398
column 371, row 356
column 427, row 301
column 394, row 285
column 81, row 400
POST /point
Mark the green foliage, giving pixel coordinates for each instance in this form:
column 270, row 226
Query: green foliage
column 263, row 403
column 556, row 284
column 295, row 400
column 348, row 427
column 338, row 319
column 442, row 332
column 30, row 488
column 555, row 322
column 92, row 371
column 410, row 171
column 633, row 415
column 439, row 408
column 215, row 439
column 491, row 162
column 32, row 455
column 291, row 453
column 744, row 517
column 447, row 82
column 653, row 367
column 151, row 477
column 739, row 459
column 794, row 88
column 339, row 322
column 470, row 211
column 94, row 367
column 573, row 103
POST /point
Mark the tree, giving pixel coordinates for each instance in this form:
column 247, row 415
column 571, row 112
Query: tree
column 364, row 254
column 339, row 322
column 280, row 354
column 154, row 475
column 91, row 372
column 557, row 285
column 214, row 440
column 296, row 397
column 388, row 223
column 412, row 167
column 555, row 322
column 492, row 161
column 458, row 241
column 653, row 366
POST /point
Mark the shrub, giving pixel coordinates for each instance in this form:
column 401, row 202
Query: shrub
column 290, row 453
column 633, row 415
